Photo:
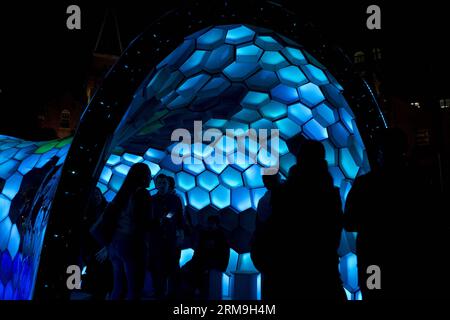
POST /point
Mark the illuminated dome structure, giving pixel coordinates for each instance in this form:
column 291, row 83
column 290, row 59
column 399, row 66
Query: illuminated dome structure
column 229, row 77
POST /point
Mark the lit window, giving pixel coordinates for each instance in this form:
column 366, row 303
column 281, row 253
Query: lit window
column 65, row 119
column 359, row 57
column 444, row 103
column 376, row 53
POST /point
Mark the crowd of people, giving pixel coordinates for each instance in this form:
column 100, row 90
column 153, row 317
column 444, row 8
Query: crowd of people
column 397, row 216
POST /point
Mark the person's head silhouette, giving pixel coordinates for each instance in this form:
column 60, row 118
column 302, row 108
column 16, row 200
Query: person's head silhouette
column 271, row 181
column 162, row 184
column 311, row 153
column 139, row 176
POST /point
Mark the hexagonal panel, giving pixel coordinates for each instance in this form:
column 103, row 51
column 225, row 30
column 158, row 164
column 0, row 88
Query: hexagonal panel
column 198, row 198
column 208, row 180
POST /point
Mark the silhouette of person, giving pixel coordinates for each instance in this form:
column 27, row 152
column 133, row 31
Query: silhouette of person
column 97, row 279
column 127, row 219
column 306, row 221
column 211, row 252
column 164, row 252
column 264, row 209
column 393, row 211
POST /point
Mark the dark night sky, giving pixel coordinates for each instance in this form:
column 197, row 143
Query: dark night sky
column 41, row 59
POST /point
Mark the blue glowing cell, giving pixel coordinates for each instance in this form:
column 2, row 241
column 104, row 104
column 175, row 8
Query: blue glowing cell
column 9, row 291
column 208, row 180
column 105, row 175
column 216, row 165
column 337, row 175
column 63, row 151
column 239, row 71
column 330, row 153
column 347, row 163
column 262, row 124
column 28, row 164
column 292, row 76
column 109, row 196
column 185, row 181
column 122, row 169
column 288, row 128
column 345, row 187
column 315, row 74
column 168, row 164
column 247, row 115
column 113, row 160
column 7, row 154
column 180, row 102
column 201, row 151
column 232, row 262
column 5, row 204
column 325, row 114
column 198, row 198
column 14, row 241
column 186, row 256
column 7, row 168
column 349, row 272
column 245, row 263
column 310, row 94
column 225, row 285
column 314, row 130
column 273, row 60
column 240, row 199
column 102, row 187
column 192, row 85
column 339, row 135
column 299, row 113
column 46, row 157
column 262, row 80
column 294, row 55
column 12, row 185
column 274, row 110
column 2, row 290
column 257, row 194
column 285, row 94
column 240, row 160
column 179, row 55
column 231, row 177
column 23, row 153
column 194, row 167
column 211, row 39
column 248, row 53
column 226, row 145
column 219, row 58
column 335, row 96
column 116, row 182
column 221, row 197
column 286, row 163
column 5, row 231
column 131, row 158
column 266, row 159
column 282, row 147
column 268, row 43
column 152, row 155
column 214, row 87
column 215, row 123
column 154, row 168
column 255, row 99
column 195, row 63
column 347, row 118
column 239, row 35
column 253, row 177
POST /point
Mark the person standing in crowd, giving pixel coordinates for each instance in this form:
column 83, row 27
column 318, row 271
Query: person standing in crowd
column 124, row 225
column 164, row 252
column 211, row 252
column 400, row 226
column 97, row 280
column 306, row 221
